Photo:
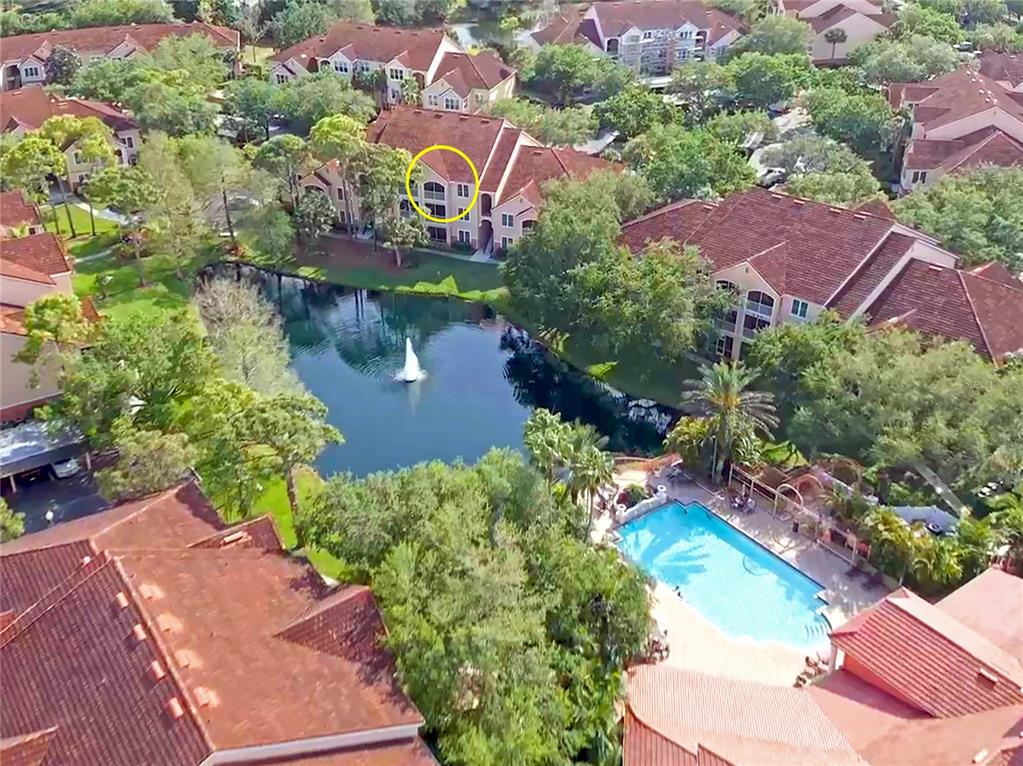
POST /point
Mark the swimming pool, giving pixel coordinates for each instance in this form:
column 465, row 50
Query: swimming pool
column 733, row 581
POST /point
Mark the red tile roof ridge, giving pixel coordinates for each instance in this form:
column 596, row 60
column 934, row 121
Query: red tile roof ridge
column 24, row 273
column 242, row 527
column 665, row 209
column 27, row 749
column 343, row 593
column 53, row 597
column 976, row 316
column 1004, row 276
column 164, row 652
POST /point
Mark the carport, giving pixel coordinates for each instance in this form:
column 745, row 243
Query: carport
column 36, row 444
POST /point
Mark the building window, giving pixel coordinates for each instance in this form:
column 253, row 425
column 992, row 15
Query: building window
column 760, row 304
column 724, row 346
column 437, row 233
column 919, row 176
column 31, row 73
column 506, row 242
column 77, row 157
column 507, row 220
column 727, row 322
column 527, row 225
column 751, row 325
column 481, row 99
column 280, row 79
column 341, row 67
column 396, row 74
column 632, row 39
column 648, row 35
column 464, row 237
column 395, row 94
column 463, row 191
column 685, row 34
column 452, row 104
column 683, row 54
column 799, row 308
column 431, row 100
column 433, row 190
column 362, row 66
column 129, row 142
column 461, row 211
column 612, row 47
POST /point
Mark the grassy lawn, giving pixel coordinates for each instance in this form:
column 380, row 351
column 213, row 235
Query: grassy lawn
column 275, row 502
column 256, row 54
column 164, row 291
column 84, row 244
column 432, row 274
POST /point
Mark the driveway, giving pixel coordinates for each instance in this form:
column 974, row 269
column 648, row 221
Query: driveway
column 69, row 499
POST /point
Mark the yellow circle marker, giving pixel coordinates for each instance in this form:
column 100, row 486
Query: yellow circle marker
column 475, row 185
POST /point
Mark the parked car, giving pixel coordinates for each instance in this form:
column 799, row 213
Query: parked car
column 771, row 177
column 66, row 468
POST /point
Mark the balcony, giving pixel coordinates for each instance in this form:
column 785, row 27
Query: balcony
column 432, row 195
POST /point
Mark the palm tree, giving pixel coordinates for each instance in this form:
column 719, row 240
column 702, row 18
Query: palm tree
column 546, row 439
column 893, row 539
column 1007, row 521
column 835, row 36
column 589, row 467
column 733, row 412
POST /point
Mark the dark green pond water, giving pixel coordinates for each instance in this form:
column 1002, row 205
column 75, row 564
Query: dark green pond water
column 483, row 377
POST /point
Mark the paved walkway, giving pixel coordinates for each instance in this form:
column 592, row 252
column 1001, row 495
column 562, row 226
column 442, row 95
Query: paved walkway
column 697, row 644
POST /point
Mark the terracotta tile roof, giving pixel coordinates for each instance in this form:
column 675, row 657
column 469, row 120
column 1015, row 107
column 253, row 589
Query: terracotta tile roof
column 258, row 533
column 43, row 253
column 840, row 13
column 17, row 271
column 988, row 146
column 953, row 304
column 991, row 604
column 26, row 749
column 955, row 96
column 564, row 29
column 617, row 18
column 999, row 273
column 17, row 210
column 825, row 244
column 414, row 48
column 30, row 107
column 415, row 129
column 870, row 274
column 737, row 721
column 176, row 518
column 930, row 660
column 81, row 669
column 166, row 654
column 1002, row 67
column 883, row 731
column 31, row 575
column 877, row 207
column 499, row 159
column 102, row 40
column 285, row 620
column 643, row 746
column 535, row 165
column 465, row 73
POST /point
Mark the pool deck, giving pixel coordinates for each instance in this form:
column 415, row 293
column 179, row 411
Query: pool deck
column 696, row 644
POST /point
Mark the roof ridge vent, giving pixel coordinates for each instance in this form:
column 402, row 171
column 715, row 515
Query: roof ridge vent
column 138, row 631
column 799, row 202
column 987, row 675
column 121, row 600
column 835, row 210
column 150, row 592
column 168, row 623
column 206, row 697
column 186, row 658
column 234, row 537
column 859, row 216
column 934, row 267
column 156, row 670
column 175, row 708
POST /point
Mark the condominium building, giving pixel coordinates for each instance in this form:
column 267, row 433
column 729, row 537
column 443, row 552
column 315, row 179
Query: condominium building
column 787, row 259
column 24, row 57
column 840, row 26
column 960, row 120
column 447, row 77
column 650, row 37
column 512, row 168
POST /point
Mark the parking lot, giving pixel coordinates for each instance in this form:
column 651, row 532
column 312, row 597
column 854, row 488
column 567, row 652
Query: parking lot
column 69, row 498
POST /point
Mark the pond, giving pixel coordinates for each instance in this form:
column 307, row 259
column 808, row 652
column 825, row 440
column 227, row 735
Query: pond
column 483, row 377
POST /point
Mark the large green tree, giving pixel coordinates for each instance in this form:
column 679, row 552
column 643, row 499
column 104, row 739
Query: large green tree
column 863, row 121
column 977, row 214
column 776, row 33
column 635, row 110
column 734, row 415
column 912, row 58
column 760, row 80
column 509, row 632
column 680, row 163
column 555, row 127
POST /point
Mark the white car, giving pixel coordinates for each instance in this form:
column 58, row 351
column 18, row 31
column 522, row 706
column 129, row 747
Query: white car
column 66, row 468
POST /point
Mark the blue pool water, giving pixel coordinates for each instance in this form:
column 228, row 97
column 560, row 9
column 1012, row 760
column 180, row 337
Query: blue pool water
column 733, row 581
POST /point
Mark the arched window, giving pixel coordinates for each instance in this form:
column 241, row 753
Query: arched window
column 760, row 304
column 433, row 190
column 727, row 323
column 612, row 47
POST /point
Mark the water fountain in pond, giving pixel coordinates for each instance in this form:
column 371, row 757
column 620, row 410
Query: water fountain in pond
column 411, row 372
